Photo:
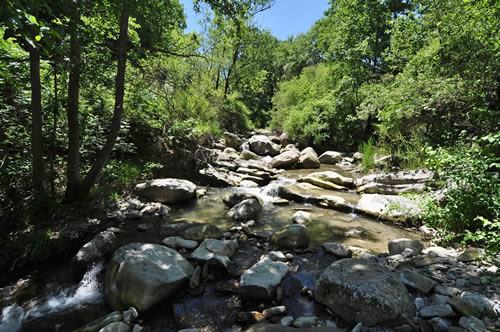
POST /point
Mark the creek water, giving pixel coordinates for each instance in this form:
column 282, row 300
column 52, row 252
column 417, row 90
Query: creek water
column 51, row 301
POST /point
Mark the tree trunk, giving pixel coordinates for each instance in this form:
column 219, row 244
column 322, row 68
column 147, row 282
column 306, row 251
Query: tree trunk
column 73, row 170
column 54, row 134
column 235, row 58
column 36, row 124
column 105, row 153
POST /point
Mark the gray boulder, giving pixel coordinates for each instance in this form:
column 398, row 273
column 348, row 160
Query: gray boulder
column 140, row 275
column 216, row 253
column 291, row 237
column 439, row 310
column 286, row 159
column 167, row 190
column 470, row 254
column 96, row 248
column 330, row 157
column 263, row 146
column 245, row 210
column 309, row 158
column 232, row 140
column 397, row 246
column 261, row 280
column 359, row 290
column 177, row 242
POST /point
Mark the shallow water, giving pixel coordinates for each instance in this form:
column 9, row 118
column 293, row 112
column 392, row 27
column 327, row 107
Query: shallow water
column 52, row 295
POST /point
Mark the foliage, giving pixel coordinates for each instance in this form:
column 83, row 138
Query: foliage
column 470, row 208
column 368, row 150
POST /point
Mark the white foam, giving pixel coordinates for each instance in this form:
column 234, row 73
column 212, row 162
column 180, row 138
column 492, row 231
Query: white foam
column 12, row 318
column 269, row 193
column 87, row 292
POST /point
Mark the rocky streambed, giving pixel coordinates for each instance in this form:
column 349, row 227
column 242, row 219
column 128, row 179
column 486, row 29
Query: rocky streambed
column 288, row 241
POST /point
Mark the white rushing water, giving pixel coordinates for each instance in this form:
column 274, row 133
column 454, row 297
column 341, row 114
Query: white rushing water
column 269, row 193
column 87, row 291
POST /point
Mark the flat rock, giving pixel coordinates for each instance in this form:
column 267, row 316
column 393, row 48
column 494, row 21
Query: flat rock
column 416, row 281
column 167, row 190
column 328, row 180
column 337, row 249
column 261, row 280
column 359, row 290
column 388, row 207
column 177, row 242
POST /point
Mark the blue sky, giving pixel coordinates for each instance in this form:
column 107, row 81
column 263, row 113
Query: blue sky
column 285, row 18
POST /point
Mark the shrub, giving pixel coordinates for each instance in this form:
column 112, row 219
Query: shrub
column 368, row 150
column 470, row 209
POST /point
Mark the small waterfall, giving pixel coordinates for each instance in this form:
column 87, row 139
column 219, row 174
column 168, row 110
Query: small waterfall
column 269, row 193
column 88, row 291
column 12, row 318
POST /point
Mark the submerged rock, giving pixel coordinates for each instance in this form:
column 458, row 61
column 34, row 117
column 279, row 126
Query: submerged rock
column 201, row 232
column 361, row 291
column 140, row 275
column 245, row 210
column 291, row 237
column 167, row 190
column 261, row 280
column 215, row 252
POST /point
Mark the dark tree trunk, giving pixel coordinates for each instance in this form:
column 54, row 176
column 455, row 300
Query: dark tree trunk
column 229, row 72
column 73, row 170
column 54, row 134
column 36, row 124
column 105, row 153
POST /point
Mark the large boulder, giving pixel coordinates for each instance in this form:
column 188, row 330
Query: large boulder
column 263, row 146
column 245, row 210
column 140, row 275
column 328, row 180
column 261, row 280
column 359, row 290
column 309, row 158
column 330, row 157
column 286, row 159
column 294, row 236
column 167, row 190
column 216, row 253
column 232, row 140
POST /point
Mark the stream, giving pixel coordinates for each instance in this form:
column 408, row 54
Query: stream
column 50, row 300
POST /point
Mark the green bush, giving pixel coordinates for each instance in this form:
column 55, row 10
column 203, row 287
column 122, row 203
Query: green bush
column 368, row 150
column 470, row 209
